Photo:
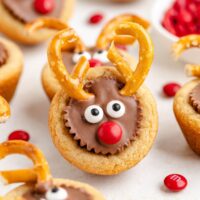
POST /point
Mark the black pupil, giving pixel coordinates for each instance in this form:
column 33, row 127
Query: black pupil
column 100, row 51
column 54, row 190
column 116, row 107
column 95, row 112
column 80, row 53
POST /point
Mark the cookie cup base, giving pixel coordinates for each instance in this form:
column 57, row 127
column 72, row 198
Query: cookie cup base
column 187, row 117
column 98, row 163
column 17, row 194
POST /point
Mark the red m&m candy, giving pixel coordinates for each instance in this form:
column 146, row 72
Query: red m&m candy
column 175, row 182
column 96, row 18
column 171, row 89
column 19, row 135
column 44, row 6
column 109, row 133
column 94, row 62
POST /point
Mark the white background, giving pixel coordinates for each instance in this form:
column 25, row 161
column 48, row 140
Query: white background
column 170, row 153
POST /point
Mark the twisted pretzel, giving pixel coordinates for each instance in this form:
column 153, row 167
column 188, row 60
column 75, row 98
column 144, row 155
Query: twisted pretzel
column 108, row 32
column 133, row 79
column 184, row 43
column 72, row 84
column 40, row 171
column 4, row 110
column 55, row 24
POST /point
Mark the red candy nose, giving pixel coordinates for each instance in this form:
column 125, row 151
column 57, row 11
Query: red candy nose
column 94, row 62
column 109, row 133
column 44, row 6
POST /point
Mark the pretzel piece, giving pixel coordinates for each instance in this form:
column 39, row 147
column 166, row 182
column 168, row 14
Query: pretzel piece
column 55, row 24
column 184, row 43
column 108, row 32
column 192, row 70
column 40, row 171
column 4, row 110
column 133, row 79
column 71, row 83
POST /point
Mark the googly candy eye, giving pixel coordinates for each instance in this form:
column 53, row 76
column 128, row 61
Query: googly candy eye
column 56, row 193
column 93, row 114
column 101, row 55
column 78, row 55
column 115, row 109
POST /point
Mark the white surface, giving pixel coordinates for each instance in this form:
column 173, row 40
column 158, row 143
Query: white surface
column 170, row 153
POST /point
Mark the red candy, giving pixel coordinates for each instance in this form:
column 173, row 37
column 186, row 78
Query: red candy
column 122, row 47
column 44, row 6
column 183, row 18
column 171, row 89
column 94, row 62
column 19, row 135
column 109, row 133
column 96, row 18
column 175, row 182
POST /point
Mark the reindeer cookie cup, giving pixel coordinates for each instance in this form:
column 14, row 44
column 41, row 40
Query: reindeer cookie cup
column 98, row 163
column 103, row 121
column 16, row 14
column 97, row 55
column 37, row 182
column 187, row 100
column 11, row 65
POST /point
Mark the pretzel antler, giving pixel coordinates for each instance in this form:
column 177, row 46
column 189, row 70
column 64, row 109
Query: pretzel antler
column 133, row 79
column 108, row 32
column 184, row 43
column 55, row 24
column 39, row 173
column 72, row 84
column 4, row 110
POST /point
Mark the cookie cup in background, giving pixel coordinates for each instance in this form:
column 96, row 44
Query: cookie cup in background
column 16, row 29
column 20, row 191
column 11, row 70
column 187, row 117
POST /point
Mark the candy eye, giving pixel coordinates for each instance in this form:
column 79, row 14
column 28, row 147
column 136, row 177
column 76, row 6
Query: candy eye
column 93, row 114
column 101, row 56
column 115, row 109
column 77, row 56
column 56, row 193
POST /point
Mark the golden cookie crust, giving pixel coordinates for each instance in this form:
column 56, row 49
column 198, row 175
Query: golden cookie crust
column 103, row 164
column 187, row 117
column 16, row 30
column 51, row 85
column 18, row 192
column 10, row 72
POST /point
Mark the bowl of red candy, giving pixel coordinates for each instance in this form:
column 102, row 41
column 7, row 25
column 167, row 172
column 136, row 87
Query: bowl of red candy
column 177, row 18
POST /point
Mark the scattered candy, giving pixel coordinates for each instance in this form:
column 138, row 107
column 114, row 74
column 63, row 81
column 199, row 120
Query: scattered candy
column 175, row 182
column 44, row 6
column 109, row 133
column 96, row 18
column 94, row 62
column 171, row 89
column 183, row 18
column 19, row 135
